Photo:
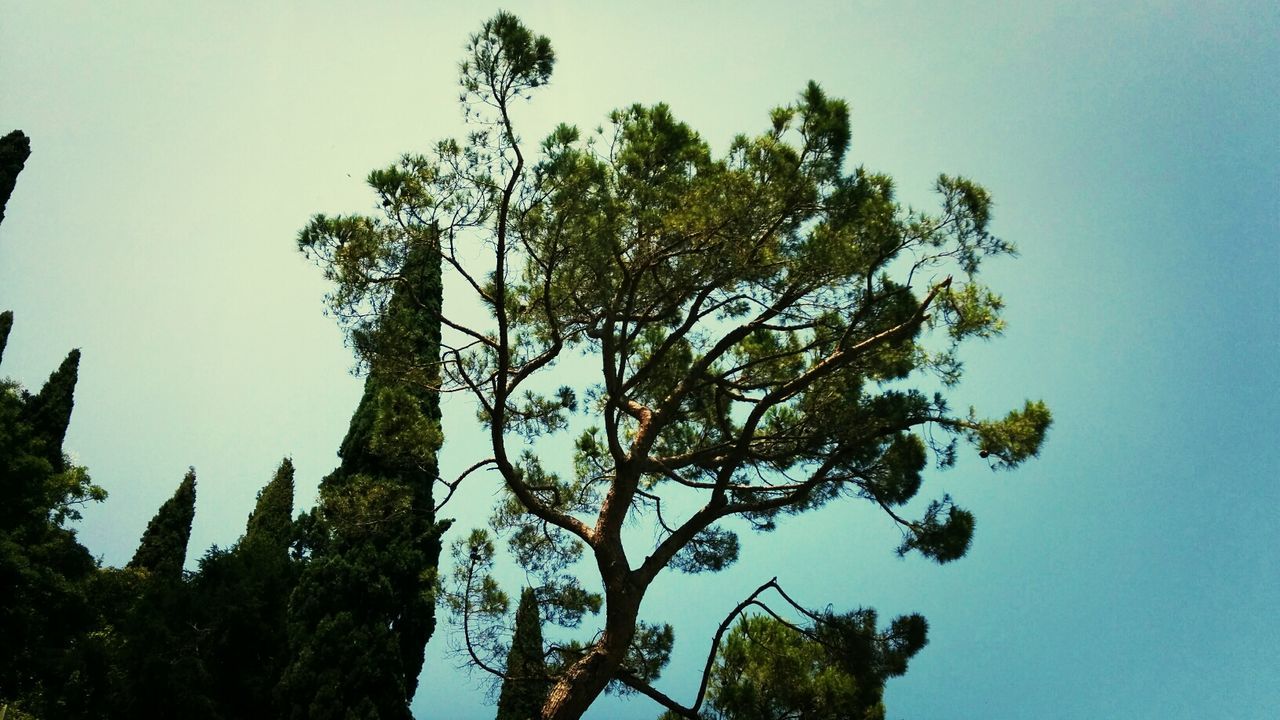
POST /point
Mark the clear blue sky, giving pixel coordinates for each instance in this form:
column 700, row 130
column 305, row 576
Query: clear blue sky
column 1133, row 153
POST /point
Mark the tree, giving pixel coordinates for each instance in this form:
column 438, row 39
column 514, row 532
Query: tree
column 763, row 325
column 162, row 551
column 49, row 412
column 148, row 610
column 829, row 666
column 37, row 484
column 6, row 324
column 240, row 602
column 46, row 615
column 524, row 689
column 15, row 148
column 365, row 606
column 271, row 522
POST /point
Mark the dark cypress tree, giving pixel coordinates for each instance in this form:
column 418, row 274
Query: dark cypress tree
column 36, row 485
column 157, row 665
column 49, row 412
column 45, row 614
column 163, row 548
column 6, row 324
column 525, row 688
column 15, row 148
column 271, row 522
column 364, row 608
column 240, row 598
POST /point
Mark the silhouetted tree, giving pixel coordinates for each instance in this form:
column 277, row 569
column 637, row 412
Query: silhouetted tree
column 45, row 615
column 240, row 601
column 15, row 148
column 524, row 689
column 6, row 324
column 162, row 550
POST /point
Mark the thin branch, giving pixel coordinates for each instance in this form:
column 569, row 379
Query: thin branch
column 453, row 486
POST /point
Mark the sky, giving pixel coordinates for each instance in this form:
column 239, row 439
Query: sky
column 1133, row 155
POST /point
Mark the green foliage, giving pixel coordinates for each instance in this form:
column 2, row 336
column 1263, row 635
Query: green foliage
column 364, row 607
column 1015, row 438
column 271, row 522
column 163, row 548
column 712, row 549
column 761, row 320
column 506, row 58
column 524, row 689
column 649, row 652
column 345, row 660
column 147, row 631
column 6, row 324
column 475, row 594
column 240, row 599
column 49, row 666
column 49, row 412
column 15, row 148
column 82, row 641
column 38, row 484
column 46, row 614
column 835, row 668
column 152, row 646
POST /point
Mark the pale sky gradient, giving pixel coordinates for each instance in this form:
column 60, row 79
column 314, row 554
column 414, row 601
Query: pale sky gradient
column 1133, row 153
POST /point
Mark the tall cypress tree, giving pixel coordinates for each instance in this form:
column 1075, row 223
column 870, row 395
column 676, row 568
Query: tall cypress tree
column 163, row 548
column 44, row 612
column 240, row 599
column 364, row 608
column 525, row 688
column 15, row 148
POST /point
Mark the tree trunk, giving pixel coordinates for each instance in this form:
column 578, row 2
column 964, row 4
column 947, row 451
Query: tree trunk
column 580, row 685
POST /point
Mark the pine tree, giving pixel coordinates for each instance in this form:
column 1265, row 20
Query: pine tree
column 365, row 607
column 770, row 330
column 524, row 690
column 163, row 548
column 15, row 148
column 834, row 667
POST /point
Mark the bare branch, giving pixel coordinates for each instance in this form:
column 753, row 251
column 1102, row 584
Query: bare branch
column 453, row 486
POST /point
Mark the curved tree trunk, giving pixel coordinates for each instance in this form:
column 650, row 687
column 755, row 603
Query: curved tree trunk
column 580, row 685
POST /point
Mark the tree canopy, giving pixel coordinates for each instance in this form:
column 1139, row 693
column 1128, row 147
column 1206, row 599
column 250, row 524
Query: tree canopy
column 770, row 332
column 831, row 667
